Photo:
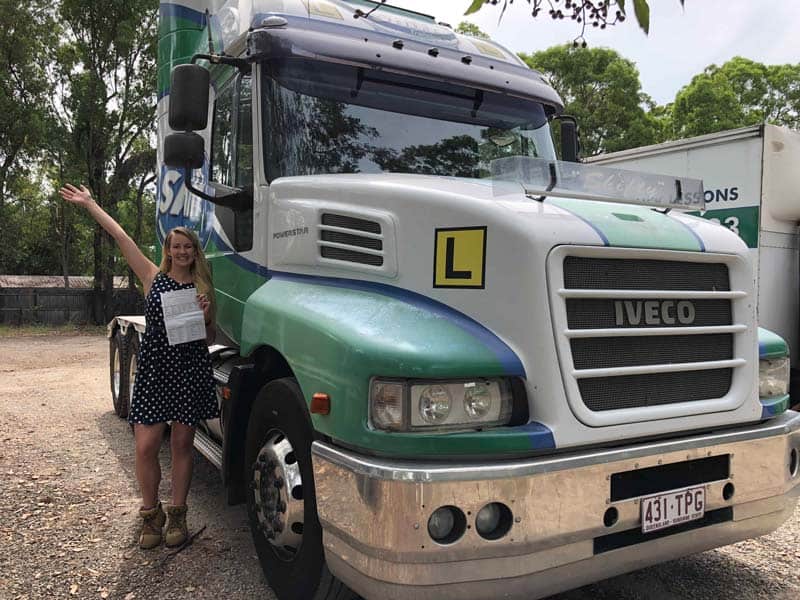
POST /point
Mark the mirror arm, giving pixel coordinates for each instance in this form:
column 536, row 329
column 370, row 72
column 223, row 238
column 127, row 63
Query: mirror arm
column 240, row 200
column 217, row 59
column 187, row 181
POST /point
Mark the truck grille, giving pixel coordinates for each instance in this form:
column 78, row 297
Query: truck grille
column 351, row 239
column 646, row 332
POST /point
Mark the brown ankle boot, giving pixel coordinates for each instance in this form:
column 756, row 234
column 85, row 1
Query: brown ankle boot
column 152, row 522
column 177, row 532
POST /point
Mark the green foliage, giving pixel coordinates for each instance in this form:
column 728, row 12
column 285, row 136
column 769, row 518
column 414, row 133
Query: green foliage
column 474, row 7
column 642, row 12
column 597, row 13
column 602, row 90
column 27, row 33
column 467, row 28
column 77, row 101
column 739, row 93
column 107, row 66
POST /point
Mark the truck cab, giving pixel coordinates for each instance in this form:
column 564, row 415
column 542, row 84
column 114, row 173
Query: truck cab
column 449, row 363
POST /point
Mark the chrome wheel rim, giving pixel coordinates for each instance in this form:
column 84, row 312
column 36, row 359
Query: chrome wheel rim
column 132, row 371
column 278, row 495
column 117, row 376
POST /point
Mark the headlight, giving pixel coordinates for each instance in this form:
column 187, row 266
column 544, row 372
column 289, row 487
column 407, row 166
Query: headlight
column 773, row 377
column 432, row 405
column 478, row 399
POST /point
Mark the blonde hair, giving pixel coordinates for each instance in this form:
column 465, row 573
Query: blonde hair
column 201, row 272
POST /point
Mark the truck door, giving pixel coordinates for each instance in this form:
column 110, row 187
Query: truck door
column 232, row 169
column 232, row 157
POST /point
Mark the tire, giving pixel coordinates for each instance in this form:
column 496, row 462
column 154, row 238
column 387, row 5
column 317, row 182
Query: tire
column 131, row 365
column 117, row 363
column 281, row 502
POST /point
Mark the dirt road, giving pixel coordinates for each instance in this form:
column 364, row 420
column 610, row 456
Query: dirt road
column 68, row 504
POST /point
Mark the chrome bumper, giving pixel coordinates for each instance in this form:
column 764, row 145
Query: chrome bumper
column 374, row 514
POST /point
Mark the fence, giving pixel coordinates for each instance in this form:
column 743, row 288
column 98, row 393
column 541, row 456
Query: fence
column 57, row 306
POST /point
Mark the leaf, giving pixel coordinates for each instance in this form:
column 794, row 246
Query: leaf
column 474, row 7
column 642, row 10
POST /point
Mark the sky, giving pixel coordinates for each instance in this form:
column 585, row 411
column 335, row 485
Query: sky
column 682, row 41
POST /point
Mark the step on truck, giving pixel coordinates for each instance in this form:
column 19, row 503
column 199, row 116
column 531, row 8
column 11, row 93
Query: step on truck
column 450, row 365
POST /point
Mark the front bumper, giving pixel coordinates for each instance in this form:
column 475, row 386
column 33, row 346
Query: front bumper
column 374, row 513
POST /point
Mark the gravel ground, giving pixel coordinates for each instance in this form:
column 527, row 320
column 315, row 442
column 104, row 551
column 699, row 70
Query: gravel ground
column 68, row 503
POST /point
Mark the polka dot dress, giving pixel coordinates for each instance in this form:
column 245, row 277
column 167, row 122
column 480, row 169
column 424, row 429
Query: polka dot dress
column 173, row 383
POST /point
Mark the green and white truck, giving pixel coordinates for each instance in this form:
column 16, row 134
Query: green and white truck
column 449, row 364
column 752, row 187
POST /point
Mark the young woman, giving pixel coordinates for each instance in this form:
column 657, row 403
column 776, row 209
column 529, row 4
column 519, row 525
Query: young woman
column 173, row 383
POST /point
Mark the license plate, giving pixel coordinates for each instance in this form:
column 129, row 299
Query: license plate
column 673, row 508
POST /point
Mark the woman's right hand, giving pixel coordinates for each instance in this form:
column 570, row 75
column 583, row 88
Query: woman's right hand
column 81, row 197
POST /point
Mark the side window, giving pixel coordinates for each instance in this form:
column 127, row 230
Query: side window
column 222, row 137
column 232, row 156
column 244, row 138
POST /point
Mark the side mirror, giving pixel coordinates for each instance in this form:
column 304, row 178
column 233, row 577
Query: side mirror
column 188, row 98
column 570, row 144
column 184, row 150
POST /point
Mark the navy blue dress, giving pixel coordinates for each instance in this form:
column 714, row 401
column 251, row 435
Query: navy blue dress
column 173, row 383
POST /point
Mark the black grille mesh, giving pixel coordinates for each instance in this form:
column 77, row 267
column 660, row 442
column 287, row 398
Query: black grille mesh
column 346, row 222
column 640, row 274
column 351, row 240
column 605, row 353
column 631, row 391
column 352, row 256
column 649, row 389
column 599, row 313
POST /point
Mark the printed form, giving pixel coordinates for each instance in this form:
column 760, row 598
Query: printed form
column 183, row 318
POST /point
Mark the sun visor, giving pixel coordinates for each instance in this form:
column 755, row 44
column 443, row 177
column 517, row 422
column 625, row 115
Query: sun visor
column 542, row 177
column 335, row 43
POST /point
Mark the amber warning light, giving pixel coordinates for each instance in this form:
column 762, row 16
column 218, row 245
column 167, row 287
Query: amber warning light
column 321, row 404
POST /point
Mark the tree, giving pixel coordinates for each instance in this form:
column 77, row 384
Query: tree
column 456, row 156
column 602, row 90
column 739, row 93
column 108, row 69
column 28, row 42
column 28, row 30
column 467, row 28
column 597, row 13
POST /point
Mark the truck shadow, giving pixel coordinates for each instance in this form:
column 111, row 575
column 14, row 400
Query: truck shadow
column 711, row 574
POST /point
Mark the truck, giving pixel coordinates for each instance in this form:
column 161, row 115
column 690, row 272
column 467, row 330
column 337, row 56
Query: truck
column 751, row 187
column 449, row 363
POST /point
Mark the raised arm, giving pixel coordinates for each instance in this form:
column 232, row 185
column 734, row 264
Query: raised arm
column 145, row 269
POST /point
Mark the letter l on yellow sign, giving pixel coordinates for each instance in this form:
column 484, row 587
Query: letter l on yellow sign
column 460, row 258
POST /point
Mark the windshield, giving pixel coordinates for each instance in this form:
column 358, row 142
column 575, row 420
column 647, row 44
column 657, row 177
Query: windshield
column 326, row 118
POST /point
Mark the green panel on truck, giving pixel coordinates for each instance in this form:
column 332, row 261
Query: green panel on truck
column 629, row 226
column 336, row 339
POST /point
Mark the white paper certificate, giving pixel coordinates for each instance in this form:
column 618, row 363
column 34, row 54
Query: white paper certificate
column 183, row 318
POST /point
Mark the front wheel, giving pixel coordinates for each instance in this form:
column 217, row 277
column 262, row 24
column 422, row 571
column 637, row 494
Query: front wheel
column 281, row 502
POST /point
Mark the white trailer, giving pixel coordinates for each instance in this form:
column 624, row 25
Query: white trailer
column 752, row 187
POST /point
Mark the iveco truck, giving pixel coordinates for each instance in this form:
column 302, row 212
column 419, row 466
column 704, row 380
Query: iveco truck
column 452, row 362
